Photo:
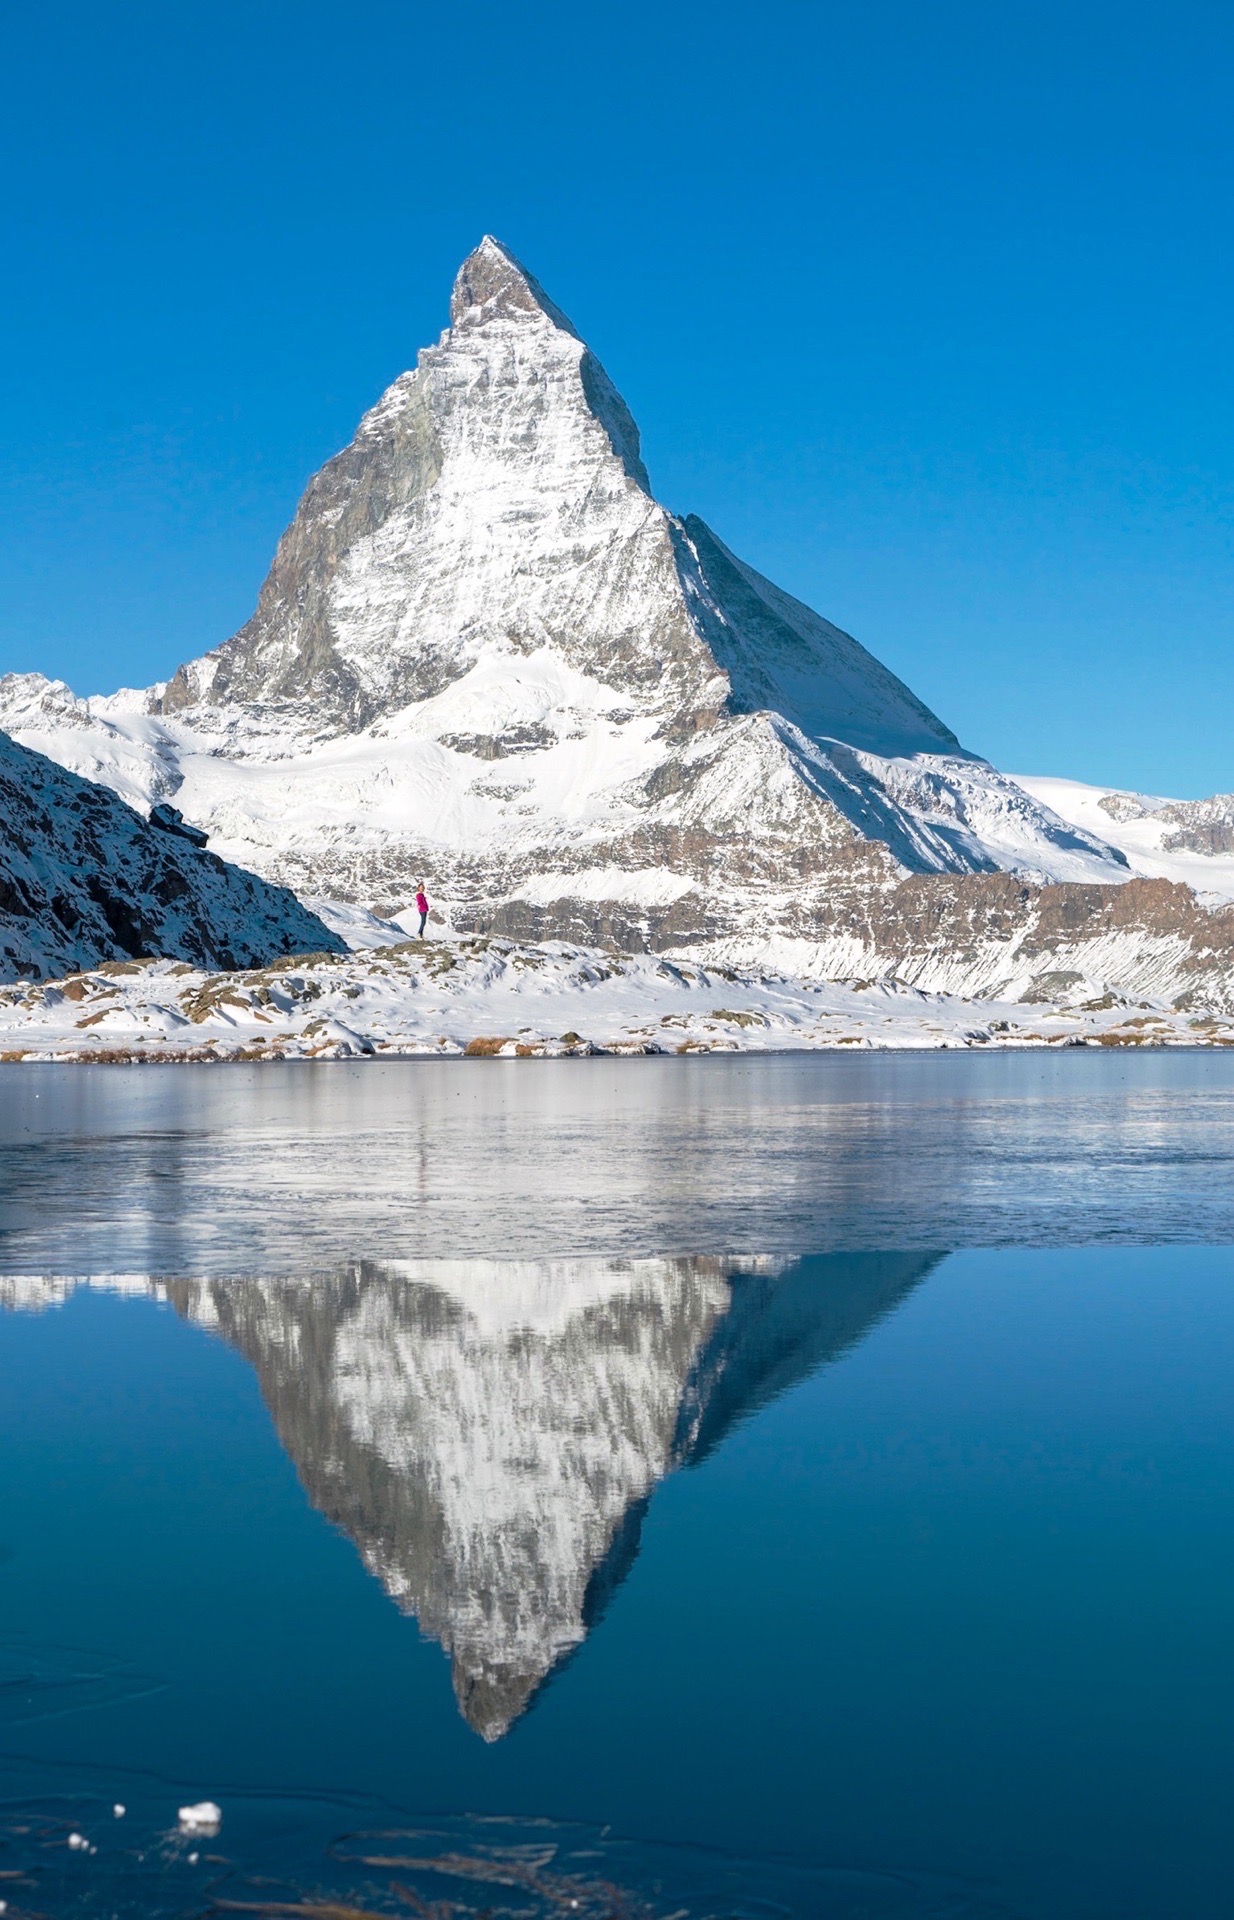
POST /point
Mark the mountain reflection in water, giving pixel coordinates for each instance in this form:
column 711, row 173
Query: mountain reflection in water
column 489, row 1434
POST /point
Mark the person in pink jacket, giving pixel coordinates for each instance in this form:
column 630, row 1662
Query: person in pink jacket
column 421, row 909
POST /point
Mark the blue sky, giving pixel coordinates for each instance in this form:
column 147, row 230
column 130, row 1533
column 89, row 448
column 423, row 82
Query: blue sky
column 926, row 308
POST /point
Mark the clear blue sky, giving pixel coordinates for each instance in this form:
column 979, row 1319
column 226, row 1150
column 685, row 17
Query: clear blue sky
column 926, row 308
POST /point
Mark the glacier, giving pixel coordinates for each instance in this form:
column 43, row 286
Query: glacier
column 1190, row 842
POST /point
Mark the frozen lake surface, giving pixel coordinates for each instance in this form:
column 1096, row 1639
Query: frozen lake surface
column 793, row 1486
column 284, row 1168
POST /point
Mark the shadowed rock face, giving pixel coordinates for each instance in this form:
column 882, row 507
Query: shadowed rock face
column 85, row 881
column 490, row 1434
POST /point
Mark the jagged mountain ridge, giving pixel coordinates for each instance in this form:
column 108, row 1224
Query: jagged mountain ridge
column 84, row 881
column 487, row 656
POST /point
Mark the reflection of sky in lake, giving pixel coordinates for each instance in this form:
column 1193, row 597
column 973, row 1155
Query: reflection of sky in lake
column 912, row 1569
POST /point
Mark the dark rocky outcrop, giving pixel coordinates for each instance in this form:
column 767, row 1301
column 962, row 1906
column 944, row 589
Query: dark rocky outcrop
column 84, row 879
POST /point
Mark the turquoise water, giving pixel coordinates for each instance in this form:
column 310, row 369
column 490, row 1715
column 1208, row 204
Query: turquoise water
column 835, row 1580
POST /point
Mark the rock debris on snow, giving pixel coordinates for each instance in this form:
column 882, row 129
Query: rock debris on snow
column 500, row 999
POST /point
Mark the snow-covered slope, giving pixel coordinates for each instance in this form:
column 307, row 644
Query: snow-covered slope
column 1190, row 841
column 485, row 657
column 1116, row 966
column 83, row 880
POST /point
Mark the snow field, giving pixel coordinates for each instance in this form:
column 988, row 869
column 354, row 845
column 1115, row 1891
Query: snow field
column 1141, row 840
column 495, row 998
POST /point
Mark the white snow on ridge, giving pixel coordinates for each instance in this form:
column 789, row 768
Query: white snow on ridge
column 423, row 768
column 1137, row 830
column 426, row 771
column 651, row 887
column 359, row 928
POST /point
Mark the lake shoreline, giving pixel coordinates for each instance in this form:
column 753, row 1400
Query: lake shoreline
column 247, row 1057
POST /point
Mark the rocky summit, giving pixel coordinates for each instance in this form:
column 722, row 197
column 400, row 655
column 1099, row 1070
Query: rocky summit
column 485, row 657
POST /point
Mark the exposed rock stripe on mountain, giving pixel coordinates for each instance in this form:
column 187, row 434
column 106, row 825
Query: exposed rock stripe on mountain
column 84, row 881
column 486, row 656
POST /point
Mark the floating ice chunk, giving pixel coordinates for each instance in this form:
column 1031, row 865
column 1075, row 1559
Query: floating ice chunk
column 204, row 1817
column 77, row 1841
column 193, row 1859
column 118, row 1812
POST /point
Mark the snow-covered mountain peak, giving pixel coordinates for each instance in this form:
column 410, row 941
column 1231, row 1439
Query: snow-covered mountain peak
column 493, row 500
column 493, row 284
column 483, row 576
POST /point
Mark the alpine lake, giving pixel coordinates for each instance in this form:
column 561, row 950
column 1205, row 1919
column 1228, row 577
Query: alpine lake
column 731, row 1486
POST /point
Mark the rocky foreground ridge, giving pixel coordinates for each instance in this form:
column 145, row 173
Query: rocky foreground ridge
column 84, row 880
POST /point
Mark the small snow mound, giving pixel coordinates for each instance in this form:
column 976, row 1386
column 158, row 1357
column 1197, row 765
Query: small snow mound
column 204, row 1817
